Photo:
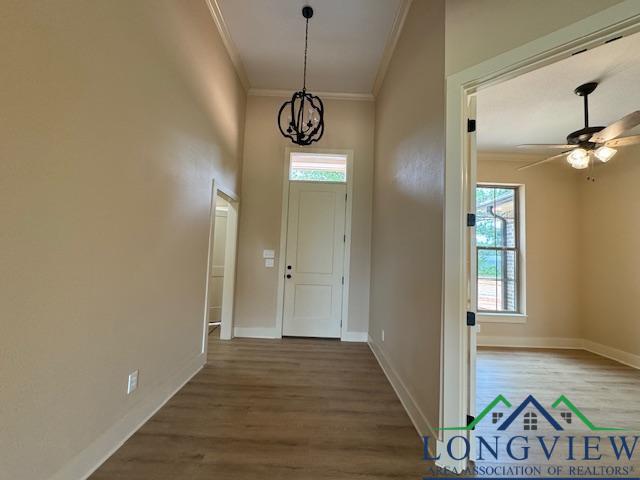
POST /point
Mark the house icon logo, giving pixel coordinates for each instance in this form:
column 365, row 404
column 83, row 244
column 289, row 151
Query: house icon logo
column 530, row 421
column 532, row 413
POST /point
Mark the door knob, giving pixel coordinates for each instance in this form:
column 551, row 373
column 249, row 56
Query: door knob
column 288, row 275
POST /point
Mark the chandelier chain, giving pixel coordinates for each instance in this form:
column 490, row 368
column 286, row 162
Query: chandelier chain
column 306, row 37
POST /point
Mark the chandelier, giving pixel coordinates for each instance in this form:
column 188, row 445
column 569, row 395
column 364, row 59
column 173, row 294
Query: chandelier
column 301, row 119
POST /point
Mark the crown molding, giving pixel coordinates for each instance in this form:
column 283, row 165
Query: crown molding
column 392, row 41
column 262, row 92
column 216, row 14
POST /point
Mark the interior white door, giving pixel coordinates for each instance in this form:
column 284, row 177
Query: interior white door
column 314, row 260
column 217, row 263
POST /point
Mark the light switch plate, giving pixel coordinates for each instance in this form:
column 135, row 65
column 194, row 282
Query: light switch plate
column 268, row 254
column 268, row 262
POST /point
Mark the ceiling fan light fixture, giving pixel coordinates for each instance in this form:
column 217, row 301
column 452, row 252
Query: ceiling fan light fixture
column 592, row 141
column 605, row 153
column 578, row 158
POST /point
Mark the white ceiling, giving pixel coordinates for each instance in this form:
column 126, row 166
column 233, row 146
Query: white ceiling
column 347, row 40
column 540, row 106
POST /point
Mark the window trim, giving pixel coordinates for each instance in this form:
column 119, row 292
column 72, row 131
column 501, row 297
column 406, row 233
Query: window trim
column 520, row 316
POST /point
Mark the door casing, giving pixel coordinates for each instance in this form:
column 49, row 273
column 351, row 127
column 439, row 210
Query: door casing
column 283, row 236
column 230, row 263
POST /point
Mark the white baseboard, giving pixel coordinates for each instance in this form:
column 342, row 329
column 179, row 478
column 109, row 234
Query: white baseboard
column 419, row 420
column 355, row 337
column 271, row 332
column 627, row 358
column 256, row 332
column 530, row 342
column 88, row 461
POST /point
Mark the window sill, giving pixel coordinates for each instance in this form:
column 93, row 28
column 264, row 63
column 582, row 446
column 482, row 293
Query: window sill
column 502, row 317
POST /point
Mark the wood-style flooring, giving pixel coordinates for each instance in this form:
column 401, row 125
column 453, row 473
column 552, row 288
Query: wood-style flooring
column 322, row 409
column 607, row 392
column 277, row 409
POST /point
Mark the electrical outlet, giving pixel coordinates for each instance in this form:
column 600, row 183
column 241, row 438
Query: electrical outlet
column 132, row 384
column 382, row 335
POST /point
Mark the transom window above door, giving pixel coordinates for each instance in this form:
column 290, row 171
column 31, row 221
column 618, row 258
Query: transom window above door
column 498, row 248
column 318, row 167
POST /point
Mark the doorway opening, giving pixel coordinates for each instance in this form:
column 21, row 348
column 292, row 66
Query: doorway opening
column 577, row 221
column 221, row 268
column 315, row 244
column 504, row 286
column 217, row 269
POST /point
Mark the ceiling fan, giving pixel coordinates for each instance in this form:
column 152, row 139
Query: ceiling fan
column 590, row 143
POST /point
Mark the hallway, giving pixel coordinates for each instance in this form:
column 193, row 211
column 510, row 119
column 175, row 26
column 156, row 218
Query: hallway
column 277, row 409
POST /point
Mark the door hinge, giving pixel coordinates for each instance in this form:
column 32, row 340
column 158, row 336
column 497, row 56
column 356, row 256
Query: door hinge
column 471, row 125
column 470, row 420
column 344, row 238
column 471, row 319
column 471, row 219
column 343, row 280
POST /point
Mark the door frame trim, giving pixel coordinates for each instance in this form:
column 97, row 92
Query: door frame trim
column 344, row 335
column 230, row 262
column 586, row 33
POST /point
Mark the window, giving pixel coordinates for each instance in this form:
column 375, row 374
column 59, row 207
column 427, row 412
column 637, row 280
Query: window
column 318, row 167
column 530, row 421
column 498, row 244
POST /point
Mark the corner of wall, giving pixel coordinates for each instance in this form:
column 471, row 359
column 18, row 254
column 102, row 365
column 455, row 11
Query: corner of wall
column 418, row 418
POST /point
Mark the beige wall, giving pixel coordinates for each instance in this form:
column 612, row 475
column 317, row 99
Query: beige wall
column 406, row 283
column 408, row 193
column 349, row 125
column 109, row 138
column 478, row 30
column 581, row 248
column 609, row 237
column 552, row 242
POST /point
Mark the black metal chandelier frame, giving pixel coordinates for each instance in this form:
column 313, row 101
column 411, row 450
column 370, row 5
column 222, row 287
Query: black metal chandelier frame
column 302, row 129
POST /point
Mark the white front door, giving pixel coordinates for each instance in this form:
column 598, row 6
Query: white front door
column 314, row 260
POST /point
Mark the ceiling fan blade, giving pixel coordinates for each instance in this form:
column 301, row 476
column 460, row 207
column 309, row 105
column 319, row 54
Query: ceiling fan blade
column 624, row 141
column 617, row 128
column 540, row 162
column 540, row 146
